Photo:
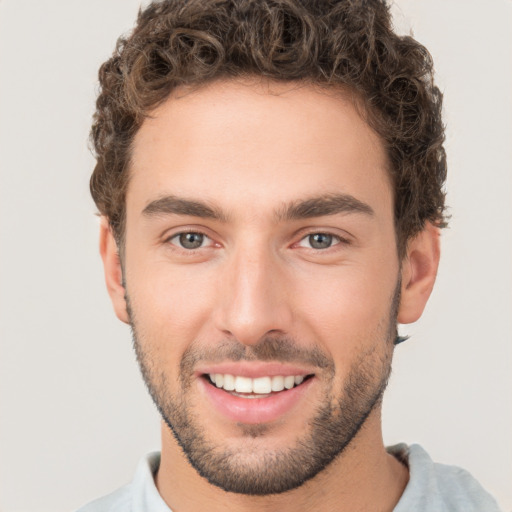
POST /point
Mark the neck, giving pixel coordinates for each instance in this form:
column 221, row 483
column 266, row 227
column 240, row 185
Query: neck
column 363, row 476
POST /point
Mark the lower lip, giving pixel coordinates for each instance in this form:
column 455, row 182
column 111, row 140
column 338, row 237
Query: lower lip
column 255, row 410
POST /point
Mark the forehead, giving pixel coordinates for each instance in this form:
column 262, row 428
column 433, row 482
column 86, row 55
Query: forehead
column 257, row 144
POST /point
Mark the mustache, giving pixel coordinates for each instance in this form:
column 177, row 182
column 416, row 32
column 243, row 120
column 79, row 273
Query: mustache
column 277, row 348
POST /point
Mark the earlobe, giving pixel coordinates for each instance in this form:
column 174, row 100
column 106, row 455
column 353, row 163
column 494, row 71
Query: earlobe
column 419, row 271
column 113, row 271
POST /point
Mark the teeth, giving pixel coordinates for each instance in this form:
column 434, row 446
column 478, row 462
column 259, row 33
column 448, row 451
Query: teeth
column 243, row 384
column 262, row 385
column 277, row 383
column 229, row 382
column 258, row 386
column 289, row 382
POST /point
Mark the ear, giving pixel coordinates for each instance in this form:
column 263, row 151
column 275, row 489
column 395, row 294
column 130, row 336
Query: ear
column 113, row 271
column 419, row 270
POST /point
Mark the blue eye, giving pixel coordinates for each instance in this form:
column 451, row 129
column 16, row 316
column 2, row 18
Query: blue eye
column 319, row 241
column 189, row 240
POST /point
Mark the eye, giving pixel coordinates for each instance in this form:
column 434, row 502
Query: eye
column 319, row 241
column 190, row 240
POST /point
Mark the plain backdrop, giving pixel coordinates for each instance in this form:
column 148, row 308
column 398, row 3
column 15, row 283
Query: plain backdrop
column 75, row 417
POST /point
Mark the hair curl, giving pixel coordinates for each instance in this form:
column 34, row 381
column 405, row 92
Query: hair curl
column 331, row 43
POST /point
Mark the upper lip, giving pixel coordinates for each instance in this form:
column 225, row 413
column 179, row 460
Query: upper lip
column 253, row 369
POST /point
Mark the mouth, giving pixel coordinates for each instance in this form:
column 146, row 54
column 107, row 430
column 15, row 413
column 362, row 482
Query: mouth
column 251, row 388
column 256, row 399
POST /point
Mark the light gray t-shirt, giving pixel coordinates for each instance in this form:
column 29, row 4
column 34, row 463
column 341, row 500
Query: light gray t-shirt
column 432, row 487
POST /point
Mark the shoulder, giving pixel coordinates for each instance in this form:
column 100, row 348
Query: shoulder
column 116, row 501
column 141, row 495
column 439, row 487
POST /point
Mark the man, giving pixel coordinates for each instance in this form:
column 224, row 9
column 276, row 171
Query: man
column 270, row 178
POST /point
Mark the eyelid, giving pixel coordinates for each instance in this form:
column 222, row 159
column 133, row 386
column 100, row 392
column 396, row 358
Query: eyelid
column 303, row 234
column 176, row 232
column 337, row 240
column 178, row 235
column 341, row 239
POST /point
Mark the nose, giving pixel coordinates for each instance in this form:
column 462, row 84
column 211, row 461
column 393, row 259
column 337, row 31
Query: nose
column 254, row 297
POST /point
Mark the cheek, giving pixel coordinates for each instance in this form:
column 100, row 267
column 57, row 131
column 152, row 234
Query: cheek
column 171, row 308
column 348, row 310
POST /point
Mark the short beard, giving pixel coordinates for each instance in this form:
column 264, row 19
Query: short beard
column 260, row 472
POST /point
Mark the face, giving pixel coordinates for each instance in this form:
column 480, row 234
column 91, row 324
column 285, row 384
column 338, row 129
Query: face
column 261, row 276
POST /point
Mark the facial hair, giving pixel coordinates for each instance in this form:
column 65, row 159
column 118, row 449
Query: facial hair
column 337, row 420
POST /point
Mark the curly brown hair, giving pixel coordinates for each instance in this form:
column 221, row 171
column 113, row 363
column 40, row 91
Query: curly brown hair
column 331, row 43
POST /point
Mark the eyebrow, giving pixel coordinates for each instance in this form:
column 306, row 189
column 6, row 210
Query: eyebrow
column 330, row 204
column 170, row 205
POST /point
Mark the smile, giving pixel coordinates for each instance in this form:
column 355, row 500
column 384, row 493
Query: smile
column 258, row 399
column 260, row 387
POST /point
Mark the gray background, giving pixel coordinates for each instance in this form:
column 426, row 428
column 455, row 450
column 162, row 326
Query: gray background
column 74, row 415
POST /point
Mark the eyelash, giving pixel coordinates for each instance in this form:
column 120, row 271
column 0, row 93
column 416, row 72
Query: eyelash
column 336, row 238
column 186, row 232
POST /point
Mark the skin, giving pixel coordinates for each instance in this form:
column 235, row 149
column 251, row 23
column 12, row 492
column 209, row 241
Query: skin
column 248, row 149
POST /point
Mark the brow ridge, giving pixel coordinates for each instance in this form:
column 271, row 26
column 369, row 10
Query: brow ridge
column 319, row 206
column 170, row 204
column 329, row 204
